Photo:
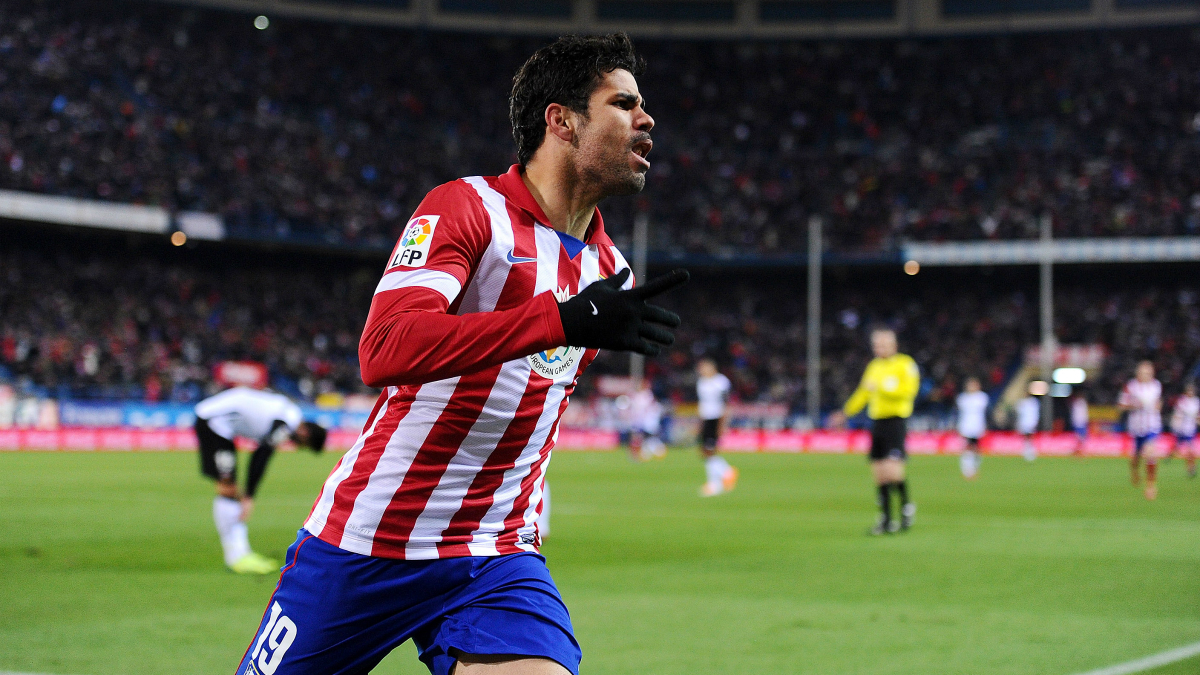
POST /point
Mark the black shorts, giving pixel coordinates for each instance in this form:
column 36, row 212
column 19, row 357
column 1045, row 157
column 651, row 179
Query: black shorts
column 887, row 439
column 218, row 455
column 709, row 433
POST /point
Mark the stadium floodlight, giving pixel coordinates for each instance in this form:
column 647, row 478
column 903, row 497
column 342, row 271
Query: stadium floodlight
column 178, row 238
column 1039, row 388
column 261, row 22
column 912, row 267
column 1069, row 375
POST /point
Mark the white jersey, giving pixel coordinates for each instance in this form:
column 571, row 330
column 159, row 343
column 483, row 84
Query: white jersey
column 647, row 412
column 1079, row 413
column 713, row 392
column 1183, row 417
column 1029, row 412
column 248, row 413
column 1143, row 399
column 972, row 409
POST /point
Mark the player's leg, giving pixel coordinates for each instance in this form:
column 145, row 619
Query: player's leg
column 218, row 461
column 340, row 613
column 474, row 664
column 1188, row 451
column 1028, row 449
column 719, row 475
column 510, row 620
column 1151, row 453
column 881, row 473
column 1135, row 461
column 968, row 463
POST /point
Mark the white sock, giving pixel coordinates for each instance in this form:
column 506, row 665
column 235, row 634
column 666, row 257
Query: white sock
column 964, row 465
column 543, row 520
column 1030, row 452
column 235, row 539
column 715, row 468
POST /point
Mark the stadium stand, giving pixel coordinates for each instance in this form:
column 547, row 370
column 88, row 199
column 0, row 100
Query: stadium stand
column 330, row 133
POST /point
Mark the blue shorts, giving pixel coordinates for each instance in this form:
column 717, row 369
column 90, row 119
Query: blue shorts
column 1139, row 443
column 336, row 612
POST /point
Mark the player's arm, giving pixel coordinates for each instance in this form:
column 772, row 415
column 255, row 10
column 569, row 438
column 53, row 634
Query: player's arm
column 859, row 398
column 410, row 338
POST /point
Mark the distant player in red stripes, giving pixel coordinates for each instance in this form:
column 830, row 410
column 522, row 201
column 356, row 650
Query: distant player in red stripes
column 495, row 299
column 1142, row 398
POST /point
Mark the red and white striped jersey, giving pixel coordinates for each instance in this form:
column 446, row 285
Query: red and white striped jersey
column 1144, row 398
column 465, row 338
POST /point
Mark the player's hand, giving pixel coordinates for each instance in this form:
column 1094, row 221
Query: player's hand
column 247, row 508
column 836, row 420
column 603, row 316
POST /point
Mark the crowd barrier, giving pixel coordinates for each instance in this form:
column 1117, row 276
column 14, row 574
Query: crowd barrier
column 735, row 440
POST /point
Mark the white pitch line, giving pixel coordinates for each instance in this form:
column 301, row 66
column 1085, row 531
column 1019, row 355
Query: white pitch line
column 1138, row 665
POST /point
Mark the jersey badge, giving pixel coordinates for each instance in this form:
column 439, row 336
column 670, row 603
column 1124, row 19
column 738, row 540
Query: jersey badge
column 413, row 250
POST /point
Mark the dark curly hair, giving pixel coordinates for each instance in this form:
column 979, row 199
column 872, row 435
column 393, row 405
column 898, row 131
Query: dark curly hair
column 566, row 72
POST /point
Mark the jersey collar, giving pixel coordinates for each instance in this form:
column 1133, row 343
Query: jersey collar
column 513, row 188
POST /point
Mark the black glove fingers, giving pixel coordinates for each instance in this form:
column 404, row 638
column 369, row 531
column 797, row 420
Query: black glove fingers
column 662, row 284
column 656, row 334
column 618, row 280
column 656, row 314
column 647, row 349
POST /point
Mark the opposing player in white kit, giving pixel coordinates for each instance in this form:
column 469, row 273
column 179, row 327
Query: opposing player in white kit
column 712, row 390
column 647, row 424
column 972, row 425
column 1183, row 425
column 264, row 418
column 1029, row 413
column 1079, row 420
column 1142, row 398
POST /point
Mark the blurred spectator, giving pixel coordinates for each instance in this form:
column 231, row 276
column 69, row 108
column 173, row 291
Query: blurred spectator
column 333, row 132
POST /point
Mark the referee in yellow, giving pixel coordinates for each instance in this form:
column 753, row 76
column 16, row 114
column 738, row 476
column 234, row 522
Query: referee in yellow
column 888, row 388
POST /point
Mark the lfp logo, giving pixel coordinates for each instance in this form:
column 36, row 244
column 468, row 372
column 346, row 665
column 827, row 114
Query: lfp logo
column 413, row 249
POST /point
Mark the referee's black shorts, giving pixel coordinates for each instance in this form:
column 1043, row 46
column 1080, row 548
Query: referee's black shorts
column 218, row 455
column 887, row 439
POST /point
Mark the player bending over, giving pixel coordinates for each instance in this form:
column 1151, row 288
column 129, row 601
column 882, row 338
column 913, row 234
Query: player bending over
column 497, row 296
column 712, row 391
column 1142, row 397
column 972, row 425
column 264, row 418
column 888, row 388
column 1183, row 425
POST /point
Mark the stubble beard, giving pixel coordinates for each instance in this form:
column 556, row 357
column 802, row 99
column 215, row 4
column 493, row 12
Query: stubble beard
column 609, row 172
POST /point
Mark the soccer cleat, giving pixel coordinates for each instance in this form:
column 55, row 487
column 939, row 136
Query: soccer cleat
column 709, row 490
column 908, row 513
column 730, row 479
column 253, row 563
column 884, row 526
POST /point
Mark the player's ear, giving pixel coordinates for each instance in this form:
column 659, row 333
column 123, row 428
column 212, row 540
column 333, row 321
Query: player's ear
column 560, row 122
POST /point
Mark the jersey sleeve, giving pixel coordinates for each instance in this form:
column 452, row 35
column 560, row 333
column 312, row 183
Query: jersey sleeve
column 410, row 337
column 858, row 400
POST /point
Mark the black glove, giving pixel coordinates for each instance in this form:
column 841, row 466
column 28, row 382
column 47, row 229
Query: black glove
column 603, row 316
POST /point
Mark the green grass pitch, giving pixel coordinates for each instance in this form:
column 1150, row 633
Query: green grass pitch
column 109, row 565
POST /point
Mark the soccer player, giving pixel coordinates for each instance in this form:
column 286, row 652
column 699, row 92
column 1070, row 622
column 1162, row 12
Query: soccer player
column 1029, row 414
column 264, row 418
column 888, row 388
column 647, row 412
column 497, row 296
column 972, row 424
column 1079, row 420
column 1142, row 398
column 712, row 391
column 1183, row 425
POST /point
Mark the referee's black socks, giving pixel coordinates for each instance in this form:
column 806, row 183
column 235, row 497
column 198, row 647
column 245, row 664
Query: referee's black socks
column 885, row 501
column 902, row 490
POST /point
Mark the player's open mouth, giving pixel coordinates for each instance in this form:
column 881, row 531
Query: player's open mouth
column 641, row 149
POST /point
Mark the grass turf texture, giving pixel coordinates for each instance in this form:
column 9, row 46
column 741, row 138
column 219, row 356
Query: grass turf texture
column 110, row 565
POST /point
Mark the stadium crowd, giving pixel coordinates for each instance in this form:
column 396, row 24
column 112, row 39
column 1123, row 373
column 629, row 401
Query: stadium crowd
column 80, row 325
column 92, row 322
column 334, row 132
